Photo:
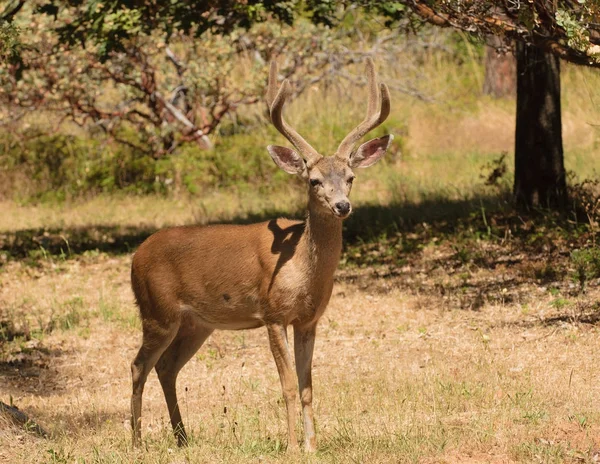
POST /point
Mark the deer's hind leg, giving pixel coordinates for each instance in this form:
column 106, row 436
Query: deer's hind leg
column 186, row 343
column 156, row 339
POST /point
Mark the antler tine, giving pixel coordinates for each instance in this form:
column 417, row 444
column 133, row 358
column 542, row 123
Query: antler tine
column 372, row 84
column 272, row 87
column 276, row 101
column 377, row 94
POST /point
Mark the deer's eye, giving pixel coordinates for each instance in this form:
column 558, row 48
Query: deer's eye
column 350, row 180
column 315, row 182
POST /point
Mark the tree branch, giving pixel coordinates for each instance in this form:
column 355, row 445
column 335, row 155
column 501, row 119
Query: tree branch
column 184, row 120
column 497, row 23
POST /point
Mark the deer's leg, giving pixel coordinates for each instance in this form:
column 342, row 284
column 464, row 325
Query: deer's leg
column 279, row 347
column 304, row 342
column 188, row 341
column 155, row 340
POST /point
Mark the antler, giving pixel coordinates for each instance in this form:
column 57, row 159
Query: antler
column 373, row 119
column 275, row 100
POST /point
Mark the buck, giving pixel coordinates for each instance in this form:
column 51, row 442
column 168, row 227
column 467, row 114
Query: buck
column 189, row 281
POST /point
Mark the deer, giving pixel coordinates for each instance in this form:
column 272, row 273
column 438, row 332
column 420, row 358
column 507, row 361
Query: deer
column 191, row 280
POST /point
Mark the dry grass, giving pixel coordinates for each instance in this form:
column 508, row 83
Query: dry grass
column 402, row 373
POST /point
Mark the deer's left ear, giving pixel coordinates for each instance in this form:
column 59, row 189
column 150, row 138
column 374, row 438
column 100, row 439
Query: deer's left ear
column 370, row 152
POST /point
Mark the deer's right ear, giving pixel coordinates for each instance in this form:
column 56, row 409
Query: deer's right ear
column 287, row 159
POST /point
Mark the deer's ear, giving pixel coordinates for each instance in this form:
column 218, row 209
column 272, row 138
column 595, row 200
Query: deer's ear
column 370, row 152
column 287, row 159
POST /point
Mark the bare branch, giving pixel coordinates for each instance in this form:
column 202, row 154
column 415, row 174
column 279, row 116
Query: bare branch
column 185, row 121
column 180, row 68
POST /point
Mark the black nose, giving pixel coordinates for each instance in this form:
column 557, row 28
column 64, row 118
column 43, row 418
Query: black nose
column 342, row 207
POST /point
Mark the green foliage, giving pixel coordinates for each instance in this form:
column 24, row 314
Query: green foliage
column 578, row 35
column 110, row 26
column 587, row 266
column 466, row 48
column 393, row 12
column 128, row 138
column 58, row 167
column 9, row 39
column 323, row 11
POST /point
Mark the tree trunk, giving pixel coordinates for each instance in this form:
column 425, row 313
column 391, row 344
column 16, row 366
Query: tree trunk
column 539, row 167
column 500, row 69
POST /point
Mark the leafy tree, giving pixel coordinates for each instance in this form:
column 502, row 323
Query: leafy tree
column 566, row 29
column 545, row 31
column 152, row 77
column 144, row 78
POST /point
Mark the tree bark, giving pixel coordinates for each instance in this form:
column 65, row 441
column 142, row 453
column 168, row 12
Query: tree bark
column 500, row 69
column 540, row 179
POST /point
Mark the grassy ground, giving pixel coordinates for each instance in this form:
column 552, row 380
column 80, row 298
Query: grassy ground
column 457, row 331
column 457, row 337
column 485, row 353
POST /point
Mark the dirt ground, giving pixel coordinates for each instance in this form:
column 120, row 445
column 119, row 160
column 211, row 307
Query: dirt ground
column 413, row 363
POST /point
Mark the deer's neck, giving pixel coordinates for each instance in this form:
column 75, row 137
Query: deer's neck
column 322, row 242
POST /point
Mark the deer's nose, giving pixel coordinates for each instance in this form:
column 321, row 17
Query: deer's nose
column 342, row 208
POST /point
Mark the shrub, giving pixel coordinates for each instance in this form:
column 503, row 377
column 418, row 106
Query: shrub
column 587, row 266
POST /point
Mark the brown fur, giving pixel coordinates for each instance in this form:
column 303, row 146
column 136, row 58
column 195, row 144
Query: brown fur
column 271, row 275
column 189, row 281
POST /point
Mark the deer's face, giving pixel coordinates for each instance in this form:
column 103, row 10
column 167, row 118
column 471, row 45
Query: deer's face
column 330, row 178
column 329, row 182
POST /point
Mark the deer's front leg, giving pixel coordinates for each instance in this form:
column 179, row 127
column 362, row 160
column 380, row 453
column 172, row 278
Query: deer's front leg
column 304, row 342
column 281, row 353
